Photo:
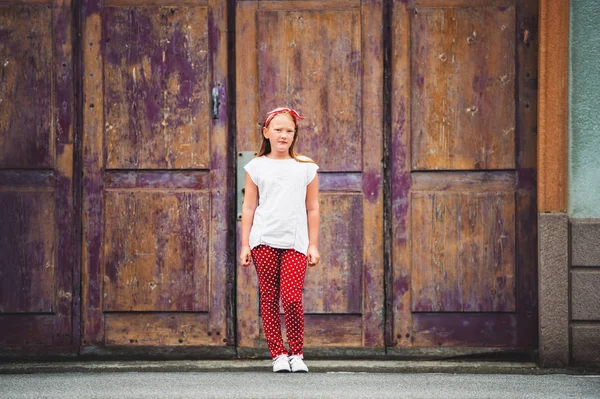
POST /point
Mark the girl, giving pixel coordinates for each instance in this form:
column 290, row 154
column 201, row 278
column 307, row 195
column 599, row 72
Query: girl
column 280, row 230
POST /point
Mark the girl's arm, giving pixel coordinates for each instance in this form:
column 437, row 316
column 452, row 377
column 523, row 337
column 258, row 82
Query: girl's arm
column 312, row 212
column 248, row 209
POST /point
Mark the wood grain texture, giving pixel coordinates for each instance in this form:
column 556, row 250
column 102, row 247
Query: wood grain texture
column 248, row 120
column 463, row 181
column 372, row 167
column 335, row 285
column 344, row 182
column 400, row 173
column 464, row 189
column 311, row 61
column 463, row 252
column 156, row 251
column 459, row 3
column 167, row 180
column 172, row 237
column 27, row 100
column 166, row 329
column 527, row 174
column 475, row 330
column 21, row 332
column 222, row 190
column 68, row 271
column 328, row 331
column 28, row 248
column 463, row 74
column 93, row 175
column 151, row 3
column 296, row 5
column 37, row 211
column 157, row 95
column 553, row 83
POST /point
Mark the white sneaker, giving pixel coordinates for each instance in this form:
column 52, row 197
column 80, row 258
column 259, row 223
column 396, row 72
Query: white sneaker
column 297, row 364
column 281, row 364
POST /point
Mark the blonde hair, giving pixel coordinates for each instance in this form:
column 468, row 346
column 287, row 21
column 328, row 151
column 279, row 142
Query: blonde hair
column 265, row 145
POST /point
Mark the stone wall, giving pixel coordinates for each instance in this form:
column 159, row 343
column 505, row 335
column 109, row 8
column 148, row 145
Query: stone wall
column 585, row 291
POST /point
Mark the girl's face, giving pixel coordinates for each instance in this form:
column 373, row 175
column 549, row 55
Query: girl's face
column 280, row 134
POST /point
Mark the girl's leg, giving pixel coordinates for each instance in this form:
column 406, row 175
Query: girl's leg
column 267, row 262
column 293, row 269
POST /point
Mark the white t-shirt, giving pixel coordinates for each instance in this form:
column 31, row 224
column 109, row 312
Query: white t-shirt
column 280, row 220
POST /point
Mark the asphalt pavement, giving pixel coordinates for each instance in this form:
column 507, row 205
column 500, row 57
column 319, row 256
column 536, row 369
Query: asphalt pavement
column 265, row 384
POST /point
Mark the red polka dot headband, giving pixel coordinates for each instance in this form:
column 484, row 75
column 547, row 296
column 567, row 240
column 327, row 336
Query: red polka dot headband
column 282, row 110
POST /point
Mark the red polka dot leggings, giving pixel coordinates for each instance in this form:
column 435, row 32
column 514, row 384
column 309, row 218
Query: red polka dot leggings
column 281, row 271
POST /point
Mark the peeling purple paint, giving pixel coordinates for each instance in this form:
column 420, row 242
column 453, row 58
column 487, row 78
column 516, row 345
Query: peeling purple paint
column 371, row 185
column 401, row 285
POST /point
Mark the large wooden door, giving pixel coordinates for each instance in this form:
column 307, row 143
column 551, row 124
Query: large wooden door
column 324, row 58
column 37, row 222
column 155, row 187
column 463, row 173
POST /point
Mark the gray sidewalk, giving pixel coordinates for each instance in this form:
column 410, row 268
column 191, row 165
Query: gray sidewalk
column 316, row 366
column 325, row 384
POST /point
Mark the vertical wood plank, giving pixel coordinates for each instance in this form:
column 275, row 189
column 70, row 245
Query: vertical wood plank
column 552, row 140
column 247, row 117
column 400, row 170
column 528, row 146
column 93, row 173
column 221, row 197
column 372, row 127
column 67, row 268
column 248, row 136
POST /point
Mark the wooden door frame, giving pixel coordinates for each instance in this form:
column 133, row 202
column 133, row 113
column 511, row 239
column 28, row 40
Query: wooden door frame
column 553, row 105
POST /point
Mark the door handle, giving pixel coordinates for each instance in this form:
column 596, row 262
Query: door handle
column 215, row 103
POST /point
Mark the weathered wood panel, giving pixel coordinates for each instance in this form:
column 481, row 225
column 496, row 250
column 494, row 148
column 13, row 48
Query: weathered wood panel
column 463, row 252
column 345, row 182
column 451, row 329
column 150, row 73
column 463, row 79
column 335, row 285
column 372, row 167
column 17, row 331
column 26, row 87
column 156, row 251
column 323, row 331
column 27, row 245
column 158, row 329
column 527, row 173
column 400, row 179
column 166, row 180
column 312, row 60
column 477, row 57
column 157, row 94
column 308, row 4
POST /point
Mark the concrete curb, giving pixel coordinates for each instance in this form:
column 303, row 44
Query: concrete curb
column 317, row 366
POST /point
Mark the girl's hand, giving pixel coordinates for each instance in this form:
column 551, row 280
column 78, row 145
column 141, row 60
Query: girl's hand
column 245, row 255
column 313, row 255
